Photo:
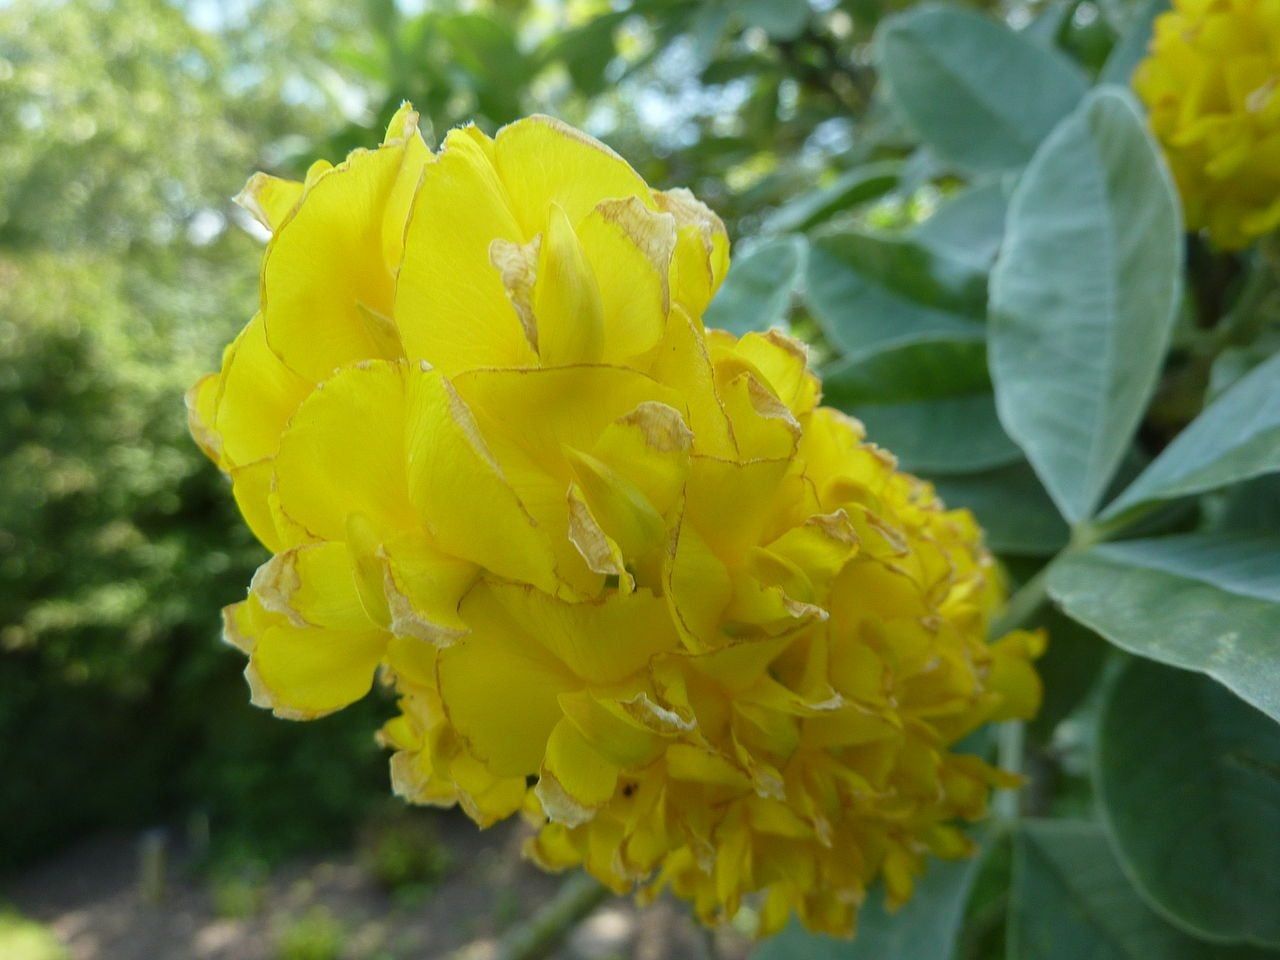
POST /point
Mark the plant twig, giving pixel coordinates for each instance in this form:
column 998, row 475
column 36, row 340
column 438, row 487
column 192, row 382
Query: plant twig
column 577, row 897
column 1011, row 735
column 1009, row 747
column 1023, row 604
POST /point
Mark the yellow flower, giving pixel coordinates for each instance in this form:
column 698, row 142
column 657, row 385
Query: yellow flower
column 1212, row 84
column 594, row 546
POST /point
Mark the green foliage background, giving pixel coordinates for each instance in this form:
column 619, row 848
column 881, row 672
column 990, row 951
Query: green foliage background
column 961, row 211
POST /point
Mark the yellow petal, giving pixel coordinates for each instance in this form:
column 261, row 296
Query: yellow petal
column 777, row 360
column 414, row 663
column 740, row 666
column 697, row 765
column 305, row 672
column 698, row 588
column 818, row 551
column 257, row 396
column 702, row 250
column 364, row 548
column 566, row 298
column 830, row 449
column 251, row 487
column 451, row 306
column 201, row 401
column 324, row 279
column 732, row 503
column 611, row 730
column 599, row 551
column 545, row 410
column 403, row 129
column 517, row 266
column 650, row 446
column 763, row 427
column 575, row 778
column 313, row 585
column 268, row 199
column 857, row 672
column 621, row 512
column 601, row 642
column 682, row 361
column 344, row 452
column 1013, row 676
column 486, row 798
column 544, row 161
column 468, row 505
column 496, row 664
column 532, row 418
column 423, row 587
column 630, row 247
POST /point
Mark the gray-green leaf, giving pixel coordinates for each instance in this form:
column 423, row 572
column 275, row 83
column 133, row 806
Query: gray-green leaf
column 1016, row 514
column 1250, row 507
column 1236, row 438
column 981, row 95
column 1206, row 602
column 869, row 292
column 781, row 19
column 1083, row 297
column 929, row 402
column 1189, row 779
column 1128, row 53
column 854, row 186
column 757, row 292
column 1071, row 900
column 968, row 226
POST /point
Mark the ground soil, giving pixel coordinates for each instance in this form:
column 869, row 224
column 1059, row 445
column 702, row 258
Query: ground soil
column 92, row 897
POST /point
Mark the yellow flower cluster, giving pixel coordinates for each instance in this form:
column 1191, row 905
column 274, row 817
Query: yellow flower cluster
column 1212, row 84
column 624, row 573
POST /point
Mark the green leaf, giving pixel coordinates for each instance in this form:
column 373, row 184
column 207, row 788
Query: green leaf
column 586, row 52
column 929, row 402
column 1249, row 507
column 1016, row 515
column 706, row 29
column 854, row 186
column 921, row 169
column 1128, row 53
column 1069, row 668
column 1048, row 24
column 756, row 294
column 869, row 292
column 1236, row 438
column 1233, row 363
column 927, row 926
column 1071, row 901
column 780, row 19
column 489, row 52
column 968, row 226
column 1083, row 297
column 1189, row 780
column 1206, row 602
column 1120, row 15
column 981, row 95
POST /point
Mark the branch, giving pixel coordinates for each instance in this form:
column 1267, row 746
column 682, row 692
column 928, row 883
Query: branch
column 578, row 895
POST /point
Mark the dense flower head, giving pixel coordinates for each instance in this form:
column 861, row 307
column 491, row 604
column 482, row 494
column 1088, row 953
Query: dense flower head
column 1212, row 84
column 625, row 574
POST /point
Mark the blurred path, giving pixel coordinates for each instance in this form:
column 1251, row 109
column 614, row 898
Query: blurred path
column 90, row 897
